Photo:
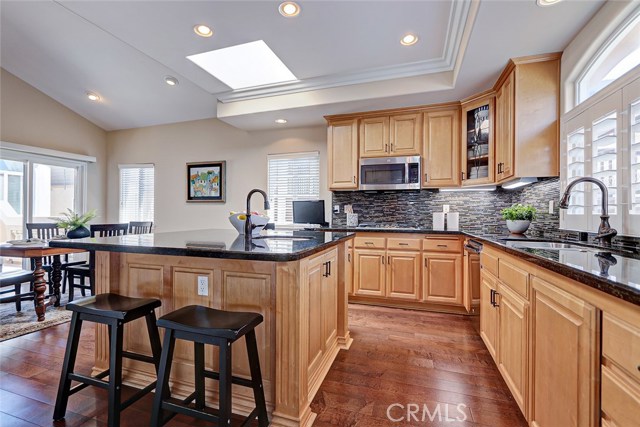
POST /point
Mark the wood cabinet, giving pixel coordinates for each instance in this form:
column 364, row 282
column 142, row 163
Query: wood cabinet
column 442, row 278
column 477, row 124
column 441, row 148
column 527, row 118
column 395, row 135
column 369, row 272
column 488, row 313
column 564, row 358
column 343, row 154
column 403, row 274
column 471, row 281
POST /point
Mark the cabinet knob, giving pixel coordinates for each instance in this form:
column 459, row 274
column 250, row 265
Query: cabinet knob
column 462, row 173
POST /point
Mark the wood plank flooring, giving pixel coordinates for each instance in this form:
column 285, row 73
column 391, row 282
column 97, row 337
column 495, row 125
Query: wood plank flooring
column 436, row 362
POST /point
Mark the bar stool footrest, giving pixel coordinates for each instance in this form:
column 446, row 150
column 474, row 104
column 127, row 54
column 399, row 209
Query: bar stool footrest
column 137, row 396
column 176, row 408
column 137, row 356
column 87, row 381
column 235, row 380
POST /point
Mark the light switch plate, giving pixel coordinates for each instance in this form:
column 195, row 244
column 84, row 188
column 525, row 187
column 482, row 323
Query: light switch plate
column 445, row 208
column 550, row 206
column 336, row 208
column 203, row 286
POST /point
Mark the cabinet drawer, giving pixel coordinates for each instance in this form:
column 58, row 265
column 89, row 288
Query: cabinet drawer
column 441, row 245
column 514, row 277
column 489, row 262
column 620, row 398
column 621, row 344
column 370, row 242
column 405, row 244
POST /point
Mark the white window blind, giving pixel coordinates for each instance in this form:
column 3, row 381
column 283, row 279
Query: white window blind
column 293, row 176
column 136, row 193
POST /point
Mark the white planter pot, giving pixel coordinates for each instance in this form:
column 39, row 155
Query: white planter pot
column 518, row 226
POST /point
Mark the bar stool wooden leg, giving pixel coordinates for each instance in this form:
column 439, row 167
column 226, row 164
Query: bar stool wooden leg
column 115, row 373
column 256, row 378
column 162, row 387
column 224, row 385
column 67, row 367
column 198, row 350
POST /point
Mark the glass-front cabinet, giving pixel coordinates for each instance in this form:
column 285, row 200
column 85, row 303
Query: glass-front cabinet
column 477, row 141
column 602, row 140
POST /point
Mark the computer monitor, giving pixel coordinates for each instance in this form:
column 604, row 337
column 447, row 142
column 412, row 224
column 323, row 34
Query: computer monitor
column 309, row 212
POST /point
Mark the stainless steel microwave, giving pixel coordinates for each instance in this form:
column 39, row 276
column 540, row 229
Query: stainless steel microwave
column 390, row 173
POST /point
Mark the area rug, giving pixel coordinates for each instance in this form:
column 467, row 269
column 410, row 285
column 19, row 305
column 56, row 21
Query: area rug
column 13, row 324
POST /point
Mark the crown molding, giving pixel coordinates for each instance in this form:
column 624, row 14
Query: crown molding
column 461, row 19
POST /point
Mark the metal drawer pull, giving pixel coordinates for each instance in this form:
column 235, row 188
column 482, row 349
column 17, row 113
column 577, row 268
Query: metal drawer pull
column 495, row 301
column 368, row 243
column 382, row 258
column 403, row 244
column 443, row 246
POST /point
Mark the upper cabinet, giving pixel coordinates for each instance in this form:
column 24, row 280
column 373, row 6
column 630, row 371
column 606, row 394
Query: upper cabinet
column 395, row 135
column 441, row 148
column 342, row 139
column 526, row 119
column 477, row 140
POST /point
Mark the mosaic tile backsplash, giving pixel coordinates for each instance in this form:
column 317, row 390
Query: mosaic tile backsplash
column 479, row 210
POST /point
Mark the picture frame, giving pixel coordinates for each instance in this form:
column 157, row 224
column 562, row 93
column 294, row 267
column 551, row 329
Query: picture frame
column 206, row 181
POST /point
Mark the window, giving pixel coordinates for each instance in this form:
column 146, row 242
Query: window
column 619, row 54
column 294, row 176
column 136, row 192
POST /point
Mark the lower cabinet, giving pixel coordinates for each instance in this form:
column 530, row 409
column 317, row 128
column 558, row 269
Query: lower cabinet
column 488, row 313
column 564, row 359
column 403, row 275
column 442, row 278
column 369, row 272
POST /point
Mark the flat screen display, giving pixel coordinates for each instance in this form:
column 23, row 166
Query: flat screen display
column 308, row 212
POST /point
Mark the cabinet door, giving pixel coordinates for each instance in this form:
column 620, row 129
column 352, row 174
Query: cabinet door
column 316, row 341
column 405, row 135
column 471, row 281
column 349, row 267
column 565, row 358
column 488, row 313
column 369, row 272
column 513, row 315
column 442, row 278
column 329, row 300
column 343, row 155
column 403, row 275
column 505, row 132
column 374, row 137
column 441, row 149
column 477, row 141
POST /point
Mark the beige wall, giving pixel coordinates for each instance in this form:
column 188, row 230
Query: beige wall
column 29, row 117
column 170, row 147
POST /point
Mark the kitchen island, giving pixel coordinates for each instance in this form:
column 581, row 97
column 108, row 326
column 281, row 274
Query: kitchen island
column 296, row 280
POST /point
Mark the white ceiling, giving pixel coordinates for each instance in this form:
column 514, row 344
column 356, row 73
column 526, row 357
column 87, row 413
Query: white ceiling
column 346, row 54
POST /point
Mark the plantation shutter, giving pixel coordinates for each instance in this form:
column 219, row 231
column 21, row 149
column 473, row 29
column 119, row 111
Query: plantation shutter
column 136, row 192
column 293, row 176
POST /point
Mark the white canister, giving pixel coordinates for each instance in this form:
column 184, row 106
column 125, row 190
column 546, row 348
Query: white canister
column 438, row 220
column 452, row 221
column 352, row 220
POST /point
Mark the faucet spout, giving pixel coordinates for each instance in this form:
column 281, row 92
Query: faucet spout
column 248, row 226
column 605, row 232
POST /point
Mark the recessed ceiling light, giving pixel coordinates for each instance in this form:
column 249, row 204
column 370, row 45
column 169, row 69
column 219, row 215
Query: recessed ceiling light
column 93, row 97
column 281, row 121
column 409, row 39
column 544, row 3
column 289, row 9
column 245, row 65
column 171, row 81
column 203, row 31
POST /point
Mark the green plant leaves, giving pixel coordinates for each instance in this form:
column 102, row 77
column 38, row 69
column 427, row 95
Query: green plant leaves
column 519, row 212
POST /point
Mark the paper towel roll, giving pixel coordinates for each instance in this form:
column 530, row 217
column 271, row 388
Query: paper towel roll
column 438, row 221
column 452, row 221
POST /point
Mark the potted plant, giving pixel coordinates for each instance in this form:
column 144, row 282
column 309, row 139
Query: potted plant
column 519, row 217
column 75, row 224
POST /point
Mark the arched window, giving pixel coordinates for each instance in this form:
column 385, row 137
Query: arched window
column 618, row 55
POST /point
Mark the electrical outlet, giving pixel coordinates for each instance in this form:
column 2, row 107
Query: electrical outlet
column 336, row 208
column 550, row 206
column 203, row 286
column 445, row 208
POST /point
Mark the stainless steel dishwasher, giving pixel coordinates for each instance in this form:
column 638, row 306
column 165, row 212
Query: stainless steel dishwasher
column 471, row 276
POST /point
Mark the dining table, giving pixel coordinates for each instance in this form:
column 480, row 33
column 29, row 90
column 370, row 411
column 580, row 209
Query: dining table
column 37, row 252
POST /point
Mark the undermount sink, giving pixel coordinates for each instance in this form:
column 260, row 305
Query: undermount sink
column 549, row 245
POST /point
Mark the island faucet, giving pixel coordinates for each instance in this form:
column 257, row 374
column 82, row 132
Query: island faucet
column 248, row 226
column 605, row 232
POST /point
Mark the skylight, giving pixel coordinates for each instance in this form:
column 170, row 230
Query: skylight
column 245, row 65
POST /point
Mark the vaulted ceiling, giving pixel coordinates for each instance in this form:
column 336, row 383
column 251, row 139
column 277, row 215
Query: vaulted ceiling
column 345, row 54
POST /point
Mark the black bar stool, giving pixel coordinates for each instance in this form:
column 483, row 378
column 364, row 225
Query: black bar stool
column 204, row 325
column 112, row 310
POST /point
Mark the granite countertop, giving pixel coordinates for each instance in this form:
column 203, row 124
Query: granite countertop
column 622, row 279
column 213, row 243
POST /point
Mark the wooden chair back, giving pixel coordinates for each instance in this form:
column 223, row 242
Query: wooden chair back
column 43, row 230
column 140, row 227
column 108, row 230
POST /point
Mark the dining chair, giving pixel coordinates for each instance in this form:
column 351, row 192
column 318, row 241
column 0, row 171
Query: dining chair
column 87, row 270
column 140, row 227
column 11, row 283
column 48, row 231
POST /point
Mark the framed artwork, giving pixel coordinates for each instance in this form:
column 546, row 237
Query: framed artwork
column 206, row 182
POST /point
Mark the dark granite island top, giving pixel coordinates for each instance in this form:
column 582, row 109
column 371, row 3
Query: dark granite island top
column 215, row 243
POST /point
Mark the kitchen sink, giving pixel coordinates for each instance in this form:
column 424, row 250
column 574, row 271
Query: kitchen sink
column 551, row 246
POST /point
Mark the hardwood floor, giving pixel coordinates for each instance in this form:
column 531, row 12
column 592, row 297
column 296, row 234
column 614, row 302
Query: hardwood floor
column 436, row 362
